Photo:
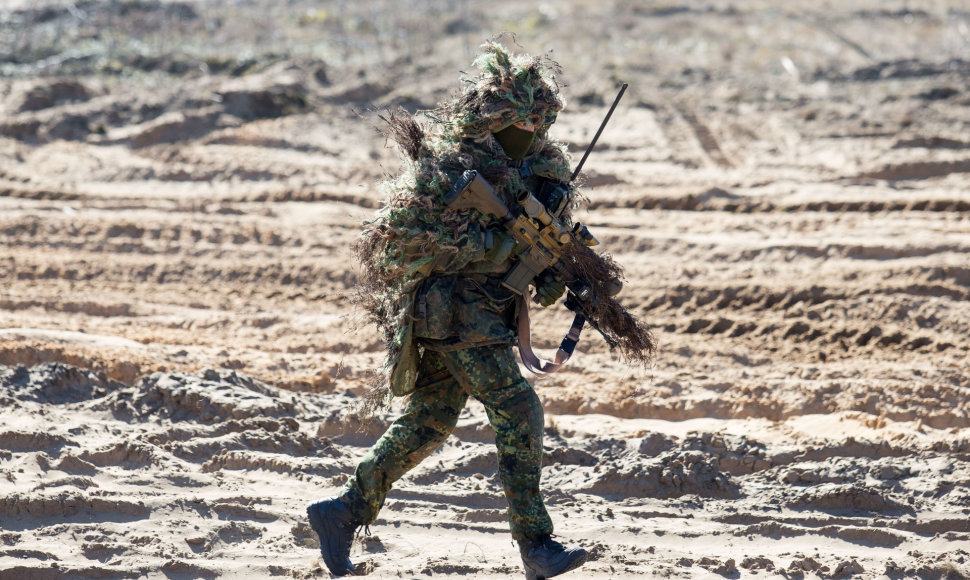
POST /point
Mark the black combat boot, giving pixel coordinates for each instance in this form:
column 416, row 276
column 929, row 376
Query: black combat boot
column 544, row 557
column 335, row 525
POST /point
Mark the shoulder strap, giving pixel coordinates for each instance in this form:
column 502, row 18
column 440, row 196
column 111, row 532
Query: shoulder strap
column 541, row 366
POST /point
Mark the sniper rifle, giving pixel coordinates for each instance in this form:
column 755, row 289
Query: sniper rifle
column 542, row 240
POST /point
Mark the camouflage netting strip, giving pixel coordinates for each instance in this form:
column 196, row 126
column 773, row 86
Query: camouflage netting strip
column 621, row 329
column 508, row 89
column 404, row 130
column 397, row 248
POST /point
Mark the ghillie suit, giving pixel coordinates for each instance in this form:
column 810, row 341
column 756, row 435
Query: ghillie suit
column 432, row 282
column 414, row 235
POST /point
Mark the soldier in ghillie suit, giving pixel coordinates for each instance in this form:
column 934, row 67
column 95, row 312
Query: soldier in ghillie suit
column 432, row 282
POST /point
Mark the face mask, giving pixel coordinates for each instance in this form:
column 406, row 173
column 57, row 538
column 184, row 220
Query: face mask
column 514, row 141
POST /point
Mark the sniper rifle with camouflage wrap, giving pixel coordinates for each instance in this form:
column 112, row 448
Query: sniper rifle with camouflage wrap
column 543, row 243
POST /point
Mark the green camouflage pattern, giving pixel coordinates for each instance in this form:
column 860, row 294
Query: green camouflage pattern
column 414, row 237
column 455, row 312
column 445, row 381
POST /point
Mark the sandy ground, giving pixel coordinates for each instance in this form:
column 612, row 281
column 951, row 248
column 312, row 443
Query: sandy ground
column 786, row 185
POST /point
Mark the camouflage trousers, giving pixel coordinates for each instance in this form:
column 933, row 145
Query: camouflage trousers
column 445, row 381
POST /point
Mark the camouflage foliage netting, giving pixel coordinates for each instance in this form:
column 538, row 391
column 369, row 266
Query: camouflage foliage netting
column 413, row 234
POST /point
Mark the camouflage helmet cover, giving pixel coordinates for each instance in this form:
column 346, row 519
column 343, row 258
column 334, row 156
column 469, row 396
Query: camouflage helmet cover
column 509, row 89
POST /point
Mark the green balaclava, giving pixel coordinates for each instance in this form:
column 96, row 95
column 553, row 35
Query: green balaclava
column 510, row 89
column 515, row 141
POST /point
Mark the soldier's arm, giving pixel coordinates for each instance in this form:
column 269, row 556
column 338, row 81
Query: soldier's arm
column 446, row 252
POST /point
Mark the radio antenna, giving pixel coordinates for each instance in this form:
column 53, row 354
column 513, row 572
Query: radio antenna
column 592, row 143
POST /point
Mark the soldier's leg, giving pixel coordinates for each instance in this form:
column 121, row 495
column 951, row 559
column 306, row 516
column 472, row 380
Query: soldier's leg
column 491, row 375
column 429, row 417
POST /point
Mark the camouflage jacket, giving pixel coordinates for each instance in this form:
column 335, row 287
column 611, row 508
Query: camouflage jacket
column 459, row 301
column 426, row 281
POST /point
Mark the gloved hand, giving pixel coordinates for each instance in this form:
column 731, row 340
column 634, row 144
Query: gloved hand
column 498, row 246
column 548, row 289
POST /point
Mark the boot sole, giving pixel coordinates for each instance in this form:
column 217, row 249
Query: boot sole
column 325, row 531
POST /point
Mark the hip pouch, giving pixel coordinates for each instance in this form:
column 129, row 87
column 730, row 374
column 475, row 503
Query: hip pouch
column 434, row 308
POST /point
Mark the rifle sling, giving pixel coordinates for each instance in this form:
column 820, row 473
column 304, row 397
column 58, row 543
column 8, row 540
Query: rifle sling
column 541, row 366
